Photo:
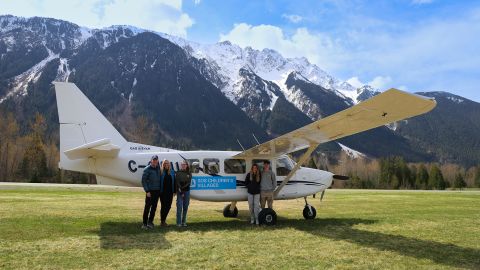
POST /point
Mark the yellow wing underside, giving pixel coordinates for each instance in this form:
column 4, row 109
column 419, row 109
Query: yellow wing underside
column 387, row 107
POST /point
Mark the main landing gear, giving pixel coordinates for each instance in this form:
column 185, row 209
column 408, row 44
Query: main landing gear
column 267, row 216
column 230, row 210
column 309, row 211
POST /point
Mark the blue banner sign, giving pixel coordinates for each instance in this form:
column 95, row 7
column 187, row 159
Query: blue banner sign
column 213, row 182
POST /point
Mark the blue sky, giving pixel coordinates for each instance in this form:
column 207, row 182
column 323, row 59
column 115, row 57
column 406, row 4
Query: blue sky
column 416, row 45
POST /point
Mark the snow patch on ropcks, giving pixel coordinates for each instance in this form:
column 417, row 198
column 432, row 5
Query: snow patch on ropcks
column 21, row 81
column 456, row 100
column 350, row 152
column 63, row 71
column 268, row 65
column 394, row 126
column 82, row 35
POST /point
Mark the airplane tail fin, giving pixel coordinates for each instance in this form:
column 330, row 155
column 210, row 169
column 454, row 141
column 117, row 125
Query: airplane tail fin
column 84, row 131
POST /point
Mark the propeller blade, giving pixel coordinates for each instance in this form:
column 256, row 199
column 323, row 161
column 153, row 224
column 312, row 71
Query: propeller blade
column 340, row 177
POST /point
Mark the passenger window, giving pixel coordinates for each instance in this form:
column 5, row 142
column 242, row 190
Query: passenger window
column 193, row 164
column 211, row 165
column 235, row 166
column 259, row 162
column 284, row 166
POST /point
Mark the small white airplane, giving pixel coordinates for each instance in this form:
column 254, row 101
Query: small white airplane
column 90, row 144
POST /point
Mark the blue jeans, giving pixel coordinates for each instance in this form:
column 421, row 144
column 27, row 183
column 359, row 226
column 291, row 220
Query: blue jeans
column 183, row 200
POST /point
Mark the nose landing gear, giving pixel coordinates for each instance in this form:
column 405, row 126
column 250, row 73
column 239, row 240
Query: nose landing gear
column 309, row 211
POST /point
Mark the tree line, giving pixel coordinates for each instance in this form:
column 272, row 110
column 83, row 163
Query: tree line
column 395, row 173
column 34, row 157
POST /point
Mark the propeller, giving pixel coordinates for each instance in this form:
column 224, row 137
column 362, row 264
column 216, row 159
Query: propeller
column 340, row 177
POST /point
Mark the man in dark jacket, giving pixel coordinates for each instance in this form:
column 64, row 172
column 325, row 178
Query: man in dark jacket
column 184, row 180
column 151, row 185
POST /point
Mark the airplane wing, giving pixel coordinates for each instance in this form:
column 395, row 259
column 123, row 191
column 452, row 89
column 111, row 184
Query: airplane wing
column 100, row 148
column 387, row 107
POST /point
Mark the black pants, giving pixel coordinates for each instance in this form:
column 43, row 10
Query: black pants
column 166, row 199
column 150, row 206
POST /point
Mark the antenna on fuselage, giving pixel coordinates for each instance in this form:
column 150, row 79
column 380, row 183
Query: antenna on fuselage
column 258, row 143
column 243, row 149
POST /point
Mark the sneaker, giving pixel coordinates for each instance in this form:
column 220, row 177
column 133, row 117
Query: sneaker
column 184, row 224
column 150, row 225
column 144, row 227
column 164, row 224
column 252, row 221
column 179, row 225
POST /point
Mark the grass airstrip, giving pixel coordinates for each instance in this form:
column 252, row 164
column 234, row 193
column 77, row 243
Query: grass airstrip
column 89, row 227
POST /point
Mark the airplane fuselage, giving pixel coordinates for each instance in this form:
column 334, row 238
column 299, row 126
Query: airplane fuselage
column 221, row 177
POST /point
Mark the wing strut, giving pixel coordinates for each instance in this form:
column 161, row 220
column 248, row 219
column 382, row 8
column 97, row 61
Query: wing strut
column 297, row 166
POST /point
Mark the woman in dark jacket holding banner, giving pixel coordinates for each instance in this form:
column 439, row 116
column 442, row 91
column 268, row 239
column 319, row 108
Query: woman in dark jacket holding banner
column 252, row 181
column 184, row 180
column 167, row 190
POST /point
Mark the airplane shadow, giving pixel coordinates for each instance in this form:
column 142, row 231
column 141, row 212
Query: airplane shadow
column 127, row 235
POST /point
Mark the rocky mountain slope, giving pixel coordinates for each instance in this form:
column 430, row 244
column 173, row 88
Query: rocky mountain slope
column 173, row 92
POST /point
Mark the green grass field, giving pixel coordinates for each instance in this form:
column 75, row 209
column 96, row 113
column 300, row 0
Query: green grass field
column 97, row 228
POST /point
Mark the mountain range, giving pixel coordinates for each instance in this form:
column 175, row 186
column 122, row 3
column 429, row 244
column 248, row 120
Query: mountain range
column 168, row 91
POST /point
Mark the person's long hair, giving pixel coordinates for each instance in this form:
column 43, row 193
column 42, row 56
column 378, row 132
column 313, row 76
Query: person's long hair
column 257, row 174
column 164, row 163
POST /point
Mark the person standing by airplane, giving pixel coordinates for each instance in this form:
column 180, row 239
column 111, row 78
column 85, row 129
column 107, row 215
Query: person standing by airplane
column 167, row 190
column 267, row 185
column 183, row 180
column 252, row 181
column 151, row 185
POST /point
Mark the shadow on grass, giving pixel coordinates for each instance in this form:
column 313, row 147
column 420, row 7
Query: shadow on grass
column 129, row 235
column 124, row 235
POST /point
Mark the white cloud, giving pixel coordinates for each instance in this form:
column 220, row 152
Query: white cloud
column 294, row 18
column 197, row 2
column 380, row 82
column 158, row 15
column 355, row 82
column 318, row 48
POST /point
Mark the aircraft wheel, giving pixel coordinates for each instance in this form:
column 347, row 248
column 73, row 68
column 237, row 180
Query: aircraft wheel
column 229, row 213
column 267, row 217
column 309, row 212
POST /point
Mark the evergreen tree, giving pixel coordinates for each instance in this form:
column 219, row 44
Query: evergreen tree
column 459, row 181
column 34, row 163
column 436, row 180
column 477, row 176
column 421, row 179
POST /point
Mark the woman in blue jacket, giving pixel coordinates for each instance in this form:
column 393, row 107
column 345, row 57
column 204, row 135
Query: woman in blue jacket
column 167, row 190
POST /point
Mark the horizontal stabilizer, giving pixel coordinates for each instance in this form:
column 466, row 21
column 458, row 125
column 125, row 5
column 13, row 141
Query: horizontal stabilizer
column 98, row 149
